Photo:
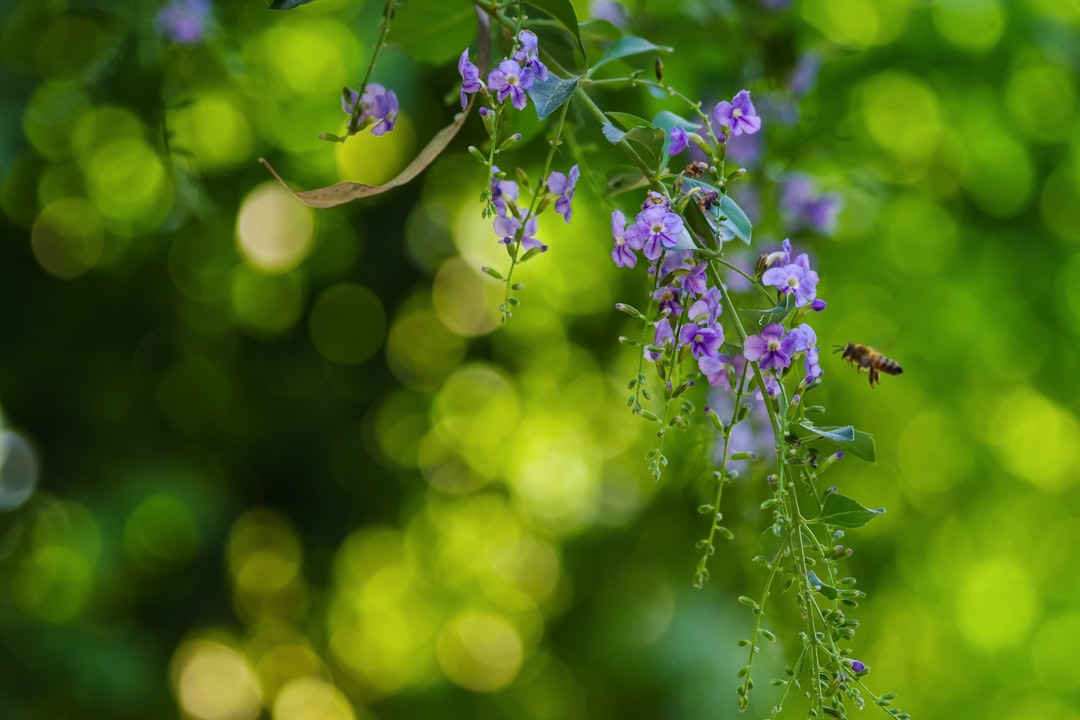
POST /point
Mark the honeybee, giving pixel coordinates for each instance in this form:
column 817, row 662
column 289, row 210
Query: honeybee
column 864, row 356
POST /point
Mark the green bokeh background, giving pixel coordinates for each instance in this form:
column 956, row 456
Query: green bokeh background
column 289, row 466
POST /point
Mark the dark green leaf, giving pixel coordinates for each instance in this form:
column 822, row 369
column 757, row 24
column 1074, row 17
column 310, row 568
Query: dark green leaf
column 649, row 140
column 550, row 95
column 433, row 31
column 842, row 511
column 562, row 11
column 286, row 4
column 625, row 48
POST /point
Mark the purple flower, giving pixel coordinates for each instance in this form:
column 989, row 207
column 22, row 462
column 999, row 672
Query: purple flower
column 797, row 278
column 622, row 254
column 610, row 10
column 528, row 55
column 470, row 77
column 663, row 337
column 504, row 193
column 669, row 299
column 563, row 187
column 655, row 228
column 770, row 348
column 739, row 115
column 378, row 107
column 183, row 21
column 707, row 307
column 509, row 80
column 715, row 369
column 806, row 341
column 677, row 141
column 702, row 339
column 528, row 236
column 802, row 206
column 508, row 226
column 858, row 667
column 696, row 282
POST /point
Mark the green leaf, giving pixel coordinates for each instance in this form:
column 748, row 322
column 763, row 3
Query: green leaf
column 735, row 219
column 816, row 584
column 649, row 139
column 550, row 95
column 625, row 48
column 286, row 4
column 842, row 511
column 562, row 11
column 836, row 434
column 628, row 121
column 858, row 443
column 668, row 120
column 433, row 31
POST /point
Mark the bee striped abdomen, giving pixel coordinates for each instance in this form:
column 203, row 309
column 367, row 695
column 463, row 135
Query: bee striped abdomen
column 864, row 356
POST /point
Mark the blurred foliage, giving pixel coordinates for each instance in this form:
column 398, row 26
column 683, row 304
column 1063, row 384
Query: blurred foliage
column 261, row 461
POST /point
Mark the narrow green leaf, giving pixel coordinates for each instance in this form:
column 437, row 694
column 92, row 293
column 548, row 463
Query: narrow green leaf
column 625, row 48
column 550, row 95
column 842, row 511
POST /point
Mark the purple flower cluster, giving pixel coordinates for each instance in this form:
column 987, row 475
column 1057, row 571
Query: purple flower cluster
column 774, row 349
column 512, row 78
column 377, row 108
column 795, row 276
column 802, row 206
column 513, row 224
column 655, row 229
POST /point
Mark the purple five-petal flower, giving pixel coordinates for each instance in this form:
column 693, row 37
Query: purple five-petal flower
column 771, row 348
column 702, row 339
column 739, row 114
column 653, row 230
column 509, row 80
